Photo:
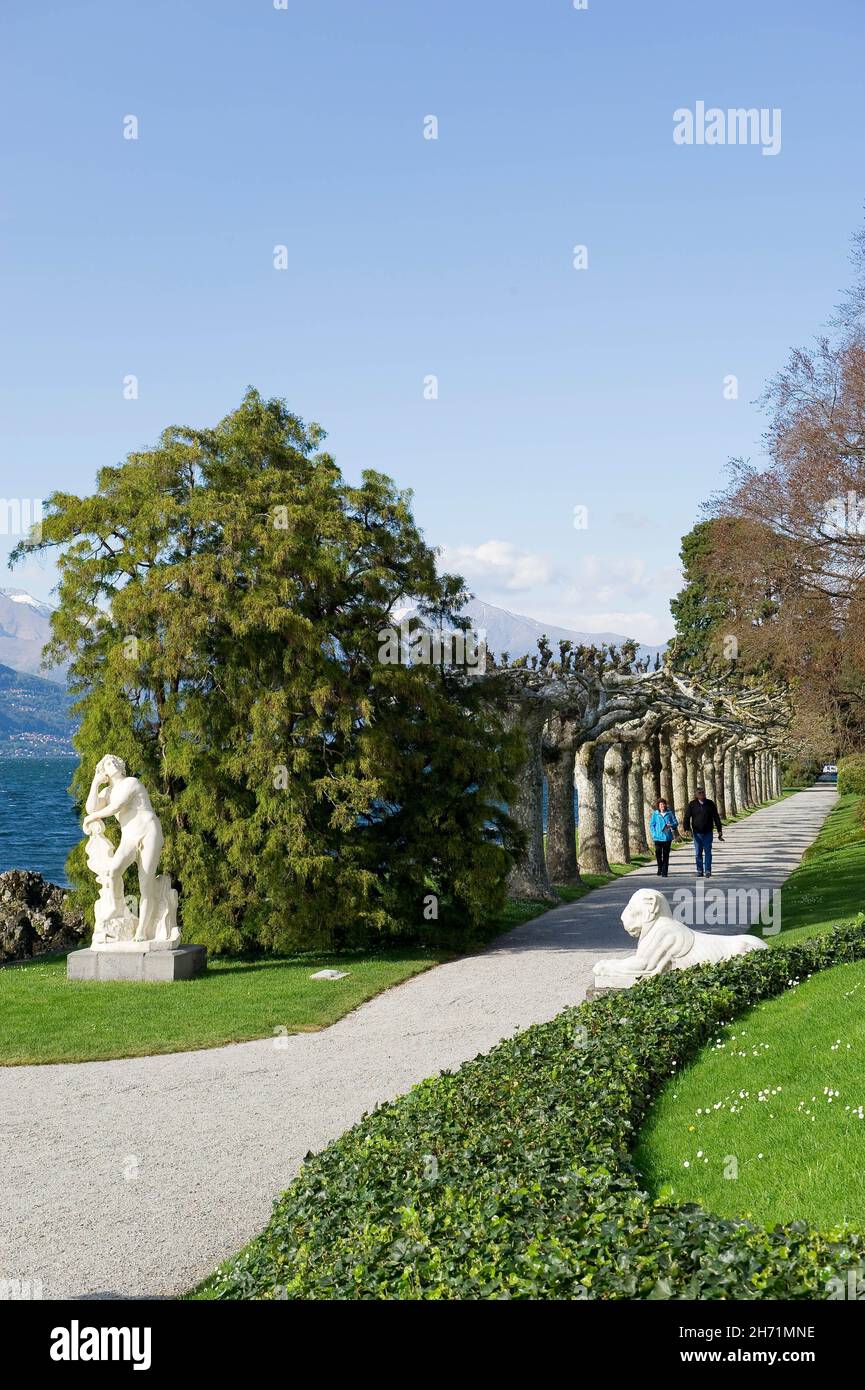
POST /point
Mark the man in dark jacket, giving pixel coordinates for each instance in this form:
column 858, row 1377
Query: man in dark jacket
column 700, row 817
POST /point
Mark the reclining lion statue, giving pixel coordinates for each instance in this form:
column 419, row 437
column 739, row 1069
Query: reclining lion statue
column 664, row 943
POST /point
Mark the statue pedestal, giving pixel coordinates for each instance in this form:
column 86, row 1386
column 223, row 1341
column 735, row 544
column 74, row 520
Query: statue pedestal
column 150, row 961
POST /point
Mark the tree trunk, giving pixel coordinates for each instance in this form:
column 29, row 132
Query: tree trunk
column 616, row 803
column 694, row 774
column 740, row 775
column 708, row 766
column 730, row 780
column 679, row 765
column 718, row 776
column 639, row 780
column 666, row 772
column 590, row 801
column 559, row 750
column 528, row 877
column 651, row 759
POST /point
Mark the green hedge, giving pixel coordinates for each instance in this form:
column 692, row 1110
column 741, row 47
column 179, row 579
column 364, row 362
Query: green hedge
column 512, row 1177
column 851, row 774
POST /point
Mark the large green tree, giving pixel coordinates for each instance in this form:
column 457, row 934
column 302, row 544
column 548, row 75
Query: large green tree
column 701, row 609
column 220, row 601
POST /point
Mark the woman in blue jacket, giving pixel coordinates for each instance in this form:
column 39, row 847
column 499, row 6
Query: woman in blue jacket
column 661, row 828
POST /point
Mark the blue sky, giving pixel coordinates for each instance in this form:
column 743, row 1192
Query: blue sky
column 408, row 257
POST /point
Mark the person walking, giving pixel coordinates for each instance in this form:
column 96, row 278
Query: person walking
column 661, row 827
column 700, row 817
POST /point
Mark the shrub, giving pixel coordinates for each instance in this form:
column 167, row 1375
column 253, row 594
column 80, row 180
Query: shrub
column 800, row 771
column 851, row 774
column 512, row 1177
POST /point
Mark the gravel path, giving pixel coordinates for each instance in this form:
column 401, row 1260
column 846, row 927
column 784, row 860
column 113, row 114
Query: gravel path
column 136, row 1177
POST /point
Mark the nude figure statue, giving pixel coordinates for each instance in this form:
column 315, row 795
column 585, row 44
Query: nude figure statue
column 113, row 793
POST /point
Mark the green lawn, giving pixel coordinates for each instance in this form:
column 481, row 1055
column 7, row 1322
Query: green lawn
column 46, row 1018
column 828, row 888
column 751, row 1130
column 767, row 1122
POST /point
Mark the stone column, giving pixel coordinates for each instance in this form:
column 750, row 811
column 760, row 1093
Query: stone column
column 590, row 799
column 616, row 762
column 528, row 877
column 559, row 750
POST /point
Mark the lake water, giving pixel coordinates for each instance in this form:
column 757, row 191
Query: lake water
column 38, row 823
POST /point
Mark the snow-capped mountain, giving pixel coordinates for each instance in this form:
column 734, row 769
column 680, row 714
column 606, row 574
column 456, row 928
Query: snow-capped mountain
column 24, row 630
column 20, row 596
column 518, row 635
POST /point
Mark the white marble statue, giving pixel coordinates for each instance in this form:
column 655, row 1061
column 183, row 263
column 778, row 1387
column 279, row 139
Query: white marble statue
column 120, row 922
column 664, row 943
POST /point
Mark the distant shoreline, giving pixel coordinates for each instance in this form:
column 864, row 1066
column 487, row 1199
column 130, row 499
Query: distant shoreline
column 35, row 754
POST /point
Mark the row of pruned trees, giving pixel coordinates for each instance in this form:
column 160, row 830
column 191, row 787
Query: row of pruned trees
column 625, row 736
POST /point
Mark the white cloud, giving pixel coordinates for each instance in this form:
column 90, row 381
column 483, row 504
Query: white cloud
column 605, row 582
column 645, row 627
column 500, row 564
column 619, row 593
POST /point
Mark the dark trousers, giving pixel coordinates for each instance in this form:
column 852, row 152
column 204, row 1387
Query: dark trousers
column 662, row 855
